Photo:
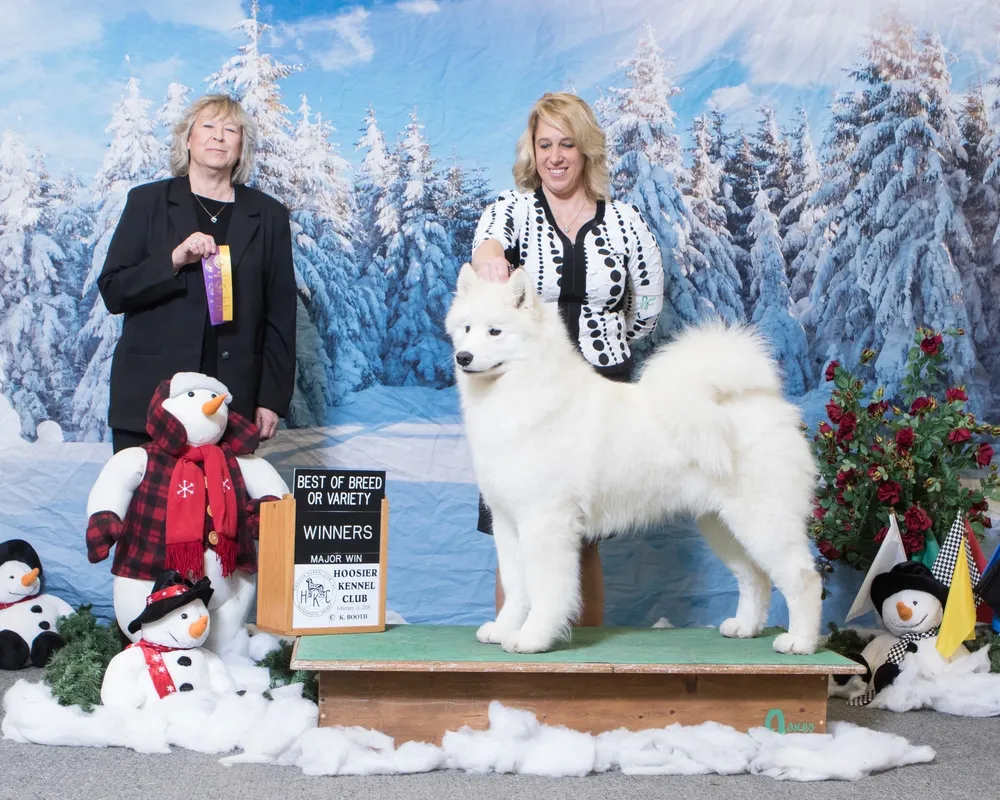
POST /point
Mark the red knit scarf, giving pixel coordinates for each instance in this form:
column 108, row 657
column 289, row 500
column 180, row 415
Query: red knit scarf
column 186, row 506
column 4, row 606
column 158, row 671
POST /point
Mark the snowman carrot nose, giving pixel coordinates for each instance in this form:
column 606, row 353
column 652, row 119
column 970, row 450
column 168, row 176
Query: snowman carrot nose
column 197, row 628
column 904, row 611
column 213, row 405
column 29, row 577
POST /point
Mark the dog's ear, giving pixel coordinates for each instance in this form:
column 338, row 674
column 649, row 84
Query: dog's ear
column 467, row 278
column 520, row 289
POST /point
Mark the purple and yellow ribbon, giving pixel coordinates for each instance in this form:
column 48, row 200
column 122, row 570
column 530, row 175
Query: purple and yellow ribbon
column 218, row 272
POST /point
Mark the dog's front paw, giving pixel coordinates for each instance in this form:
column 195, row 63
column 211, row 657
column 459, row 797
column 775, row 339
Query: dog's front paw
column 526, row 641
column 489, row 633
column 734, row 628
column 794, row 645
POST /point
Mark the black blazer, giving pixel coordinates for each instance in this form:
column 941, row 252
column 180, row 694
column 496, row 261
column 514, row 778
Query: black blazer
column 165, row 313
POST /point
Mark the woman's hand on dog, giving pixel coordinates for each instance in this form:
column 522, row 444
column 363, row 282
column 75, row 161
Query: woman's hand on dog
column 493, row 269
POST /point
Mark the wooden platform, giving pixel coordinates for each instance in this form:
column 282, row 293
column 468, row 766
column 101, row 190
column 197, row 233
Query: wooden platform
column 415, row 682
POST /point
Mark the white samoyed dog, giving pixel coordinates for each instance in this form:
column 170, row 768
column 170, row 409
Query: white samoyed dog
column 563, row 456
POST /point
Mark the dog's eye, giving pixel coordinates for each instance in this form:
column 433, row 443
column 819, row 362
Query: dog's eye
column 494, row 331
column 468, row 328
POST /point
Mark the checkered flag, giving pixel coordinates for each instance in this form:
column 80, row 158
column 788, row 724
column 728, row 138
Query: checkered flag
column 944, row 564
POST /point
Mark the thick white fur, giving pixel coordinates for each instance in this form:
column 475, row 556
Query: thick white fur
column 562, row 455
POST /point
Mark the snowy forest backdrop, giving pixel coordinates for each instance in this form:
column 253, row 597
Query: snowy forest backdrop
column 838, row 214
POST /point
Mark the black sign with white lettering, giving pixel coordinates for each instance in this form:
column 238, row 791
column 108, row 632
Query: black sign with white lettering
column 338, row 547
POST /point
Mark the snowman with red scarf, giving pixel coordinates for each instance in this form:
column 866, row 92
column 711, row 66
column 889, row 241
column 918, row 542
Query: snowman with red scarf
column 168, row 656
column 187, row 501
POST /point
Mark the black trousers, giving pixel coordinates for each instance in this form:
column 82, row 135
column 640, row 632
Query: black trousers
column 121, row 439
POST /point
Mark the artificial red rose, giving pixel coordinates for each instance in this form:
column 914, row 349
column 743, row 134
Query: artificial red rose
column 848, row 423
column 877, row 448
column 825, row 429
column 881, row 534
column 917, row 520
column 920, row 404
column 932, row 344
column 878, row 409
column 840, row 498
column 959, row 435
column 904, row 438
column 984, row 454
column 955, row 394
column 828, row 551
column 873, row 473
column 834, row 412
column 844, row 478
column 819, row 512
column 889, row 492
column 830, row 369
column 913, row 542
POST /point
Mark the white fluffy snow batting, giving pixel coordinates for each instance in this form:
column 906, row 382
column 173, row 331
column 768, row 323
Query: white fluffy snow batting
column 283, row 731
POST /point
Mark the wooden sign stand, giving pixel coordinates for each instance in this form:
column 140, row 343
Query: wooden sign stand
column 276, row 583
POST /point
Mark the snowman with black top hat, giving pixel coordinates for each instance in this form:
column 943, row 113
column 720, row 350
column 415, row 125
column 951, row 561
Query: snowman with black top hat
column 168, row 656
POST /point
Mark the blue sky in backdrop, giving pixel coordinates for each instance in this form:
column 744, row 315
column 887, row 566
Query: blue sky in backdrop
column 471, row 68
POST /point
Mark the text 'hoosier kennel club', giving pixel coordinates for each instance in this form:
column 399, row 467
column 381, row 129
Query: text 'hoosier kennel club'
column 338, row 547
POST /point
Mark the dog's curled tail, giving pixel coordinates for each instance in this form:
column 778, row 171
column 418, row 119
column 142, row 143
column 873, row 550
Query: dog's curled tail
column 704, row 370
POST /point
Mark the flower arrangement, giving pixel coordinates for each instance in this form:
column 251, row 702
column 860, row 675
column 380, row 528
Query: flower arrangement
column 877, row 458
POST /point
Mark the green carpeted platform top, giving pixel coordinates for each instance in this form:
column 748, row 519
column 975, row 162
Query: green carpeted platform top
column 433, row 647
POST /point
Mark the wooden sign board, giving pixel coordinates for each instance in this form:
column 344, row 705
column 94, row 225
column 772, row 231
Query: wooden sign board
column 323, row 555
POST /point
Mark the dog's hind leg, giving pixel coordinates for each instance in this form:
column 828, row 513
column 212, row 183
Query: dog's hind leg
column 754, row 584
column 777, row 541
column 515, row 602
column 550, row 556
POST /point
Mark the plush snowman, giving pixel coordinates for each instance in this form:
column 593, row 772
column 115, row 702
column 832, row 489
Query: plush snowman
column 187, row 501
column 168, row 656
column 910, row 601
column 27, row 618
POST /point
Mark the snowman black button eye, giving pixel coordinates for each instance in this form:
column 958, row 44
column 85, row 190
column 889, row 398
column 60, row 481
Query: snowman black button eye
column 468, row 328
column 190, row 394
column 214, row 395
column 184, row 616
column 915, row 602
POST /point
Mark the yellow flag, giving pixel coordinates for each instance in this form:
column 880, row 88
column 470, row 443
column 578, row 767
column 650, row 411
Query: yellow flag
column 959, row 621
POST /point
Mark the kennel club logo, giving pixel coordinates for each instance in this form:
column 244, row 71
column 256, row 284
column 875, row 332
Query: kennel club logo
column 314, row 593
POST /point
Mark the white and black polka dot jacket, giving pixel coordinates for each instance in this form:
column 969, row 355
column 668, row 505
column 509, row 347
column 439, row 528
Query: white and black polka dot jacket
column 608, row 282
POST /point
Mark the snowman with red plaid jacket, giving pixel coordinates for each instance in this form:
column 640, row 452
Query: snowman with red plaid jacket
column 188, row 501
column 167, row 657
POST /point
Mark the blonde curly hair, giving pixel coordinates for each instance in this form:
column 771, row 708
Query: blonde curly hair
column 225, row 107
column 574, row 117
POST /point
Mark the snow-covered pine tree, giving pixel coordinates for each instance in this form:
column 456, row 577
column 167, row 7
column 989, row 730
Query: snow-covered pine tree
column 135, row 156
column 772, row 161
column 422, row 272
column 378, row 215
column 466, row 193
column 799, row 215
column 173, row 108
column 73, row 227
column 720, row 282
column 901, row 222
column 771, row 302
column 740, row 174
column 982, row 210
column 645, row 163
column 324, row 220
column 252, row 78
column 37, row 317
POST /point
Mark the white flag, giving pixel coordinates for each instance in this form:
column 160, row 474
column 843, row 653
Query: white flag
column 889, row 555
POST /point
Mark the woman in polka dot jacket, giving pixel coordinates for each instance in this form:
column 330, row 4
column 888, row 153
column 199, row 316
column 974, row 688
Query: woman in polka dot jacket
column 593, row 256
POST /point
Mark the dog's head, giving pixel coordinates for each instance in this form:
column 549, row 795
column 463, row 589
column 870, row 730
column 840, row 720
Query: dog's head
column 492, row 325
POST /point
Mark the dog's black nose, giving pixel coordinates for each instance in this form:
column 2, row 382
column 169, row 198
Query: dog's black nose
column 464, row 358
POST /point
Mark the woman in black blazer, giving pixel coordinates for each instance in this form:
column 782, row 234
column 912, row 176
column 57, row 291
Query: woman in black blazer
column 153, row 275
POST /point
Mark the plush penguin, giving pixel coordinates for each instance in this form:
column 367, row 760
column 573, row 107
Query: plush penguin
column 27, row 618
column 910, row 600
column 168, row 656
column 187, row 501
